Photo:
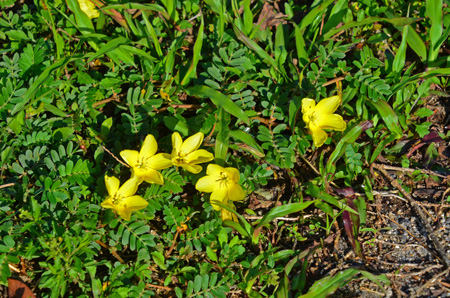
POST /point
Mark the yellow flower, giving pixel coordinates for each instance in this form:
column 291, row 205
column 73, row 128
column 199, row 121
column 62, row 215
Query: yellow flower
column 89, row 8
column 319, row 117
column 222, row 183
column 186, row 155
column 122, row 200
column 228, row 215
column 145, row 164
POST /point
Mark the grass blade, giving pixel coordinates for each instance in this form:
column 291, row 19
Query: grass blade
column 283, row 210
column 196, row 56
column 219, row 100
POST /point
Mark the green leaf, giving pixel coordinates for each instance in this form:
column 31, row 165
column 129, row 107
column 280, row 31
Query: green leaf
column 349, row 138
column 400, row 56
column 54, row 110
column 328, row 285
column 402, row 21
column 250, row 144
column 109, row 47
column 196, row 55
column 434, row 12
column 38, row 84
column 219, row 100
column 389, row 116
column 283, row 210
column 255, row 47
column 223, row 137
column 313, row 14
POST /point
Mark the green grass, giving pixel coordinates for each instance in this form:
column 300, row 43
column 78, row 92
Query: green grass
column 76, row 91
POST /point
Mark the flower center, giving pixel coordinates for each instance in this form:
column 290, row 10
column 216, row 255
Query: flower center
column 117, row 198
column 223, row 179
column 312, row 117
column 179, row 158
column 143, row 163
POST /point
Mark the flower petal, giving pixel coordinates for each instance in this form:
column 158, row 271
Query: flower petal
column 206, row 184
column 233, row 173
column 333, row 121
column 192, row 143
column 194, row 169
column 112, row 185
column 134, row 203
column 152, row 176
column 227, row 215
column 219, row 195
column 131, row 157
column 199, row 156
column 108, row 203
column 307, row 104
column 214, row 170
column 177, row 141
column 149, row 147
column 129, row 188
column 319, row 136
column 124, row 213
column 235, row 192
column 328, row 105
column 160, row 161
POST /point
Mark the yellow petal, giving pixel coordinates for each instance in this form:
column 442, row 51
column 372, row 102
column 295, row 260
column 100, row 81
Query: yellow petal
column 177, row 141
column 194, row 169
column 328, row 105
column 149, row 147
column 134, row 203
column 112, row 185
column 192, row 143
column 127, row 205
column 214, row 170
column 333, row 121
column 227, row 215
column 219, row 195
column 233, row 173
column 206, row 184
column 153, row 176
column 131, row 157
column 89, row 8
column 235, row 192
column 108, row 203
column 199, row 156
column 307, row 104
column 160, row 161
column 124, row 213
column 319, row 136
column 129, row 188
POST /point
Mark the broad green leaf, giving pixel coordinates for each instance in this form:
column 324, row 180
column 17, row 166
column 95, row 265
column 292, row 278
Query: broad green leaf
column 283, row 210
column 402, row 21
column 152, row 33
column 196, row 56
column 315, row 192
column 219, row 100
column 249, row 141
column 300, row 45
column 110, row 46
column 388, row 115
column 349, row 138
column 38, row 83
column 434, row 12
column 255, row 47
column 223, row 137
column 313, row 14
column 400, row 56
column 328, row 285
column 416, row 44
